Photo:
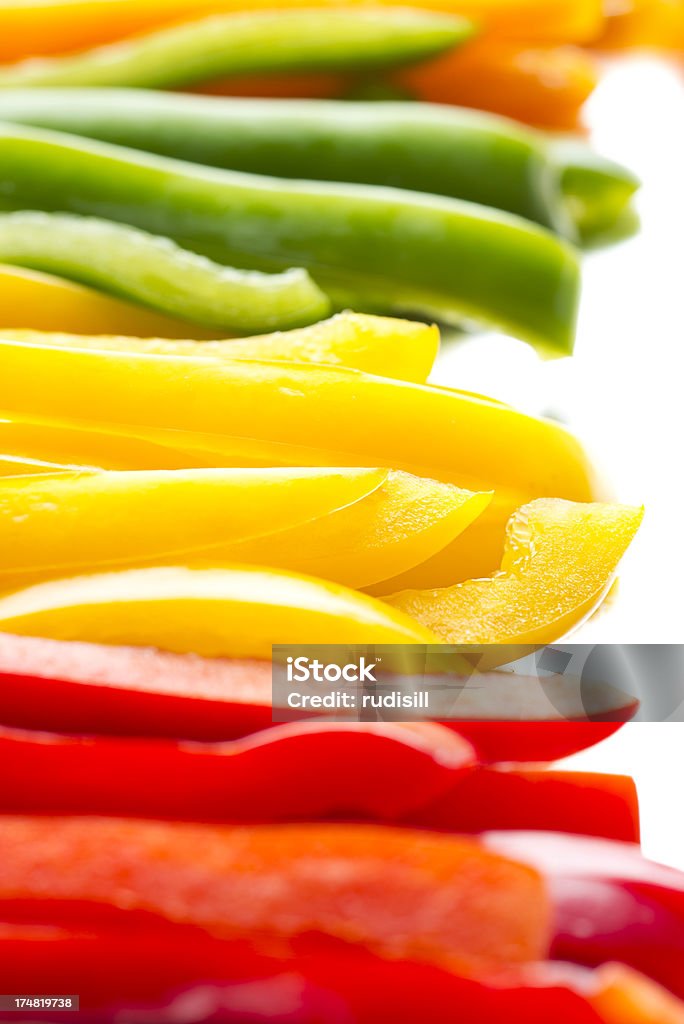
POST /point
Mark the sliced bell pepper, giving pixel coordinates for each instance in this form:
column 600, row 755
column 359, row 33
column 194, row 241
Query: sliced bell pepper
column 645, row 23
column 428, row 780
column 31, row 28
column 308, row 415
column 132, row 691
column 542, row 86
column 387, row 346
column 457, row 153
column 355, row 38
column 560, row 558
column 609, row 902
column 152, row 270
column 404, row 893
column 164, row 971
column 232, row 612
column 406, row 252
column 319, row 522
column 12, row 465
column 30, row 299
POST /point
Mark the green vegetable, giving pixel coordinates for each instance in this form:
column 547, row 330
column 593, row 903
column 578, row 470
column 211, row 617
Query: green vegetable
column 465, row 154
column 256, row 42
column 157, row 273
column 428, row 148
column 598, row 191
column 372, row 248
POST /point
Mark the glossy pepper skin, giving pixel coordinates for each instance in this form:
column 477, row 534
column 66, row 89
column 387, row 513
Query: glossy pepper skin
column 52, row 685
column 370, row 248
column 456, row 153
column 429, row 779
column 146, row 268
column 254, row 41
column 609, row 902
column 207, row 407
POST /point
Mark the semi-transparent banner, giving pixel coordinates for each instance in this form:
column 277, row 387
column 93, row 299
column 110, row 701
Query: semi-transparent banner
column 571, row 682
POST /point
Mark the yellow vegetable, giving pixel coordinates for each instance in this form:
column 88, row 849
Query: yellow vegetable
column 32, row 299
column 237, row 612
column 383, row 345
column 63, row 523
column 558, row 563
column 280, row 413
column 404, row 521
column 13, row 466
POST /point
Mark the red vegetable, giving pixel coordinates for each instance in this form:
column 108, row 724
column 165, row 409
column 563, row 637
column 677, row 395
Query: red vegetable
column 610, row 902
column 91, row 688
column 422, row 775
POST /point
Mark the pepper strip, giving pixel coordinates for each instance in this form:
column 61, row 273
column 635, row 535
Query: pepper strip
column 133, row 691
column 154, row 271
column 386, row 346
column 403, row 893
column 429, row 780
column 370, row 248
column 308, row 415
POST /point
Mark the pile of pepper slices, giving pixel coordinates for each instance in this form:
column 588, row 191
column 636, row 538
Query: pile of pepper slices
column 169, row 508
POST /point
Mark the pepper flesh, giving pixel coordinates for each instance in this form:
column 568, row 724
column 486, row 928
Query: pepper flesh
column 559, row 560
column 152, row 270
column 403, row 893
column 133, row 691
column 429, row 780
column 352, row 526
column 386, row 346
column 237, row 612
column 370, row 248
column 348, row 416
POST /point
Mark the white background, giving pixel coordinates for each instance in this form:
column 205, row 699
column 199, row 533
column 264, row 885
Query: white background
column 624, row 393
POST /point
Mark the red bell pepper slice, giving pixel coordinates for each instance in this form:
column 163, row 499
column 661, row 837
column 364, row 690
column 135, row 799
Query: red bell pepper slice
column 610, row 902
column 422, row 775
column 90, row 688
column 134, row 972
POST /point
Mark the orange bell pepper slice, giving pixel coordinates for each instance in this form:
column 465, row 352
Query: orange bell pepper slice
column 406, row 894
column 645, row 23
column 544, row 86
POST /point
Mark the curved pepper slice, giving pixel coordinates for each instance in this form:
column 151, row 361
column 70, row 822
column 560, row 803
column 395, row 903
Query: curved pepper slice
column 244, row 42
column 559, row 561
column 150, row 269
column 428, row 780
column 308, row 415
column 399, row 892
column 370, row 248
column 542, row 86
column 386, row 346
column 31, row 28
column 238, row 612
column 58, row 523
column 352, row 526
column 42, row 302
column 135, row 691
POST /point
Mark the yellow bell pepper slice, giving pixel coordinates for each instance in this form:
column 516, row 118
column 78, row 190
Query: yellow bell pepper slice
column 403, row 521
column 13, row 466
column 218, row 613
column 381, row 345
column 75, row 449
column 66, row 523
column 559, row 562
column 305, row 415
column 42, row 302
